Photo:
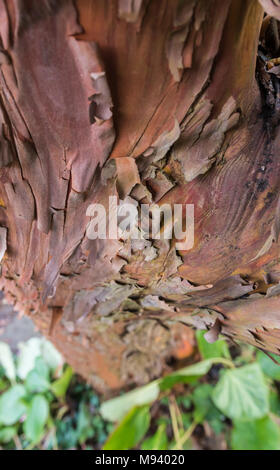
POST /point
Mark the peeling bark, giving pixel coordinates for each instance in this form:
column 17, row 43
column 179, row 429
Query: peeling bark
column 155, row 101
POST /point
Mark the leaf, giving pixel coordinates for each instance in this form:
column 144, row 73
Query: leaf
column 158, row 441
column 115, row 409
column 84, row 427
column 209, row 350
column 37, row 379
column 11, row 405
column 187, row 419
column 131, row 429
column 52, row 357
column 66, row 434
column 7, row 361
column 3, row 383
column 198, row 369
column 187, row 374
column 7, row 434
column 242, row 393
column 216, row 420
column 201, row 398
column 59, row 387
column 34, row 348
column 261, row 434
column 185, row 401
column 37, row 416
column 28, row 352
column 269, row 367
column 274, row 402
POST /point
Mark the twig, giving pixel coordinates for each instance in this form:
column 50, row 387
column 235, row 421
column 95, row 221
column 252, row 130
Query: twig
column 225, row 362
column 179, row 416
column 185, row 437
column 174, row 422
column 17, row 442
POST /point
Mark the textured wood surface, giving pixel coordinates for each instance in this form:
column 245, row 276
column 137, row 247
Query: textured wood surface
column 157, row 101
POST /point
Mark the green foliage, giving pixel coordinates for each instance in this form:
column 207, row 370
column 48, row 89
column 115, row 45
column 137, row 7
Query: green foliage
column 133, row 426
column 37, row 416
column 115, row 409
column 261, row 434
column 7, row 434
column 60, row 386
column 7, row 361
column 158, row 441
column 269, row 367
column 209, row 350
column 12, row 406
column 84, row 428
column 34, row 394
column 32, row 349
column 201, row 398
column 274, row 402
column 38, row 379
column 242, row 393
column 187, row 374
column 44, row 406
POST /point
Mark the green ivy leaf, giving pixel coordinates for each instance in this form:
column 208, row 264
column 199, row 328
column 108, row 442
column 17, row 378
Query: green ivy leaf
column 158, row 441
column 38, row 379
column 209, row 350
column 188, row 374
column 3, row 384
column 262, row 434
column 274, row 402
column 33, row 348
column 7, row 434
column 11, row 405
column 59, row 387
column 269, row 367
column 215, row 419
column 28, row 352
column 131, row 429
column 51, row 356
column 242, row 393
column 7, row 361
column 201, row 398
column 115, row 409
column 66, row 433
column 37, row 416
column 84, row 426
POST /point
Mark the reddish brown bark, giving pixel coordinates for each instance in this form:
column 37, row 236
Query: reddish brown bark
column 158, row 101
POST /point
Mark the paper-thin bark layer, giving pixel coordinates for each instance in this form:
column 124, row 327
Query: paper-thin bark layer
column 152, row 101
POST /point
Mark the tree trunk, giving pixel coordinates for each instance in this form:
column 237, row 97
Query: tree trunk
column 151, row 101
